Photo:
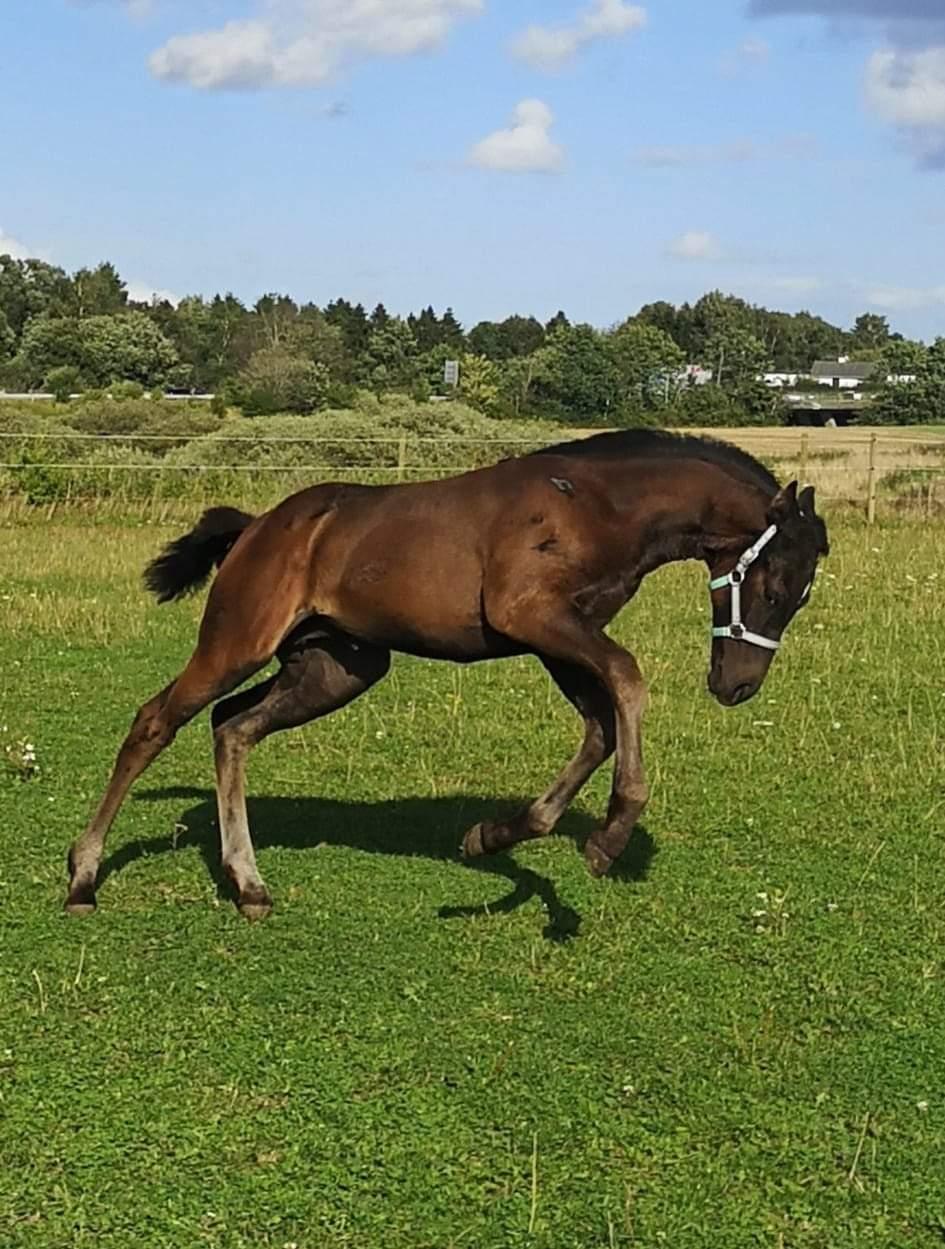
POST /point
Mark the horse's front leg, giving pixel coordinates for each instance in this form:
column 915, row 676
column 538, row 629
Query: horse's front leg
column 557, row 633
column 539, row 819
column 630, row 792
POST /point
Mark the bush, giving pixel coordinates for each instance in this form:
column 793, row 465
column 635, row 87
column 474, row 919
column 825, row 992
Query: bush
column 63, row 382
column 97, row 414
column 713, row 407
column 275, row 381
column 126, row 390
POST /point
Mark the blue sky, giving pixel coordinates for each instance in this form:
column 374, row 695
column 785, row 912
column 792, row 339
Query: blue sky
column 521, row 155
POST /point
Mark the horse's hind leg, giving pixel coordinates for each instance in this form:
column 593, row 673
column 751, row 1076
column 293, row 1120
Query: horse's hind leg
column 318, row 677
column 154, row 728
column 588, row 696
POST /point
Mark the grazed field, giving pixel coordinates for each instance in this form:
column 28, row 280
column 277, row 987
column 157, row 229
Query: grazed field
column 737, row 1041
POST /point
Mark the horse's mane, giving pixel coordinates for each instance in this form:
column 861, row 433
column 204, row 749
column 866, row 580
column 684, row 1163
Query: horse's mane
column 659, row 444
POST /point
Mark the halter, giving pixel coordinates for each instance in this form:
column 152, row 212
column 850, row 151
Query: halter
column 736, row 630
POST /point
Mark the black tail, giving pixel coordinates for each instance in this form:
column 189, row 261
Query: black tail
column 184, row 565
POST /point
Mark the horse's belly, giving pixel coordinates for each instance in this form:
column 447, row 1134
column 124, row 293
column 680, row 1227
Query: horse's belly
column 423, row 598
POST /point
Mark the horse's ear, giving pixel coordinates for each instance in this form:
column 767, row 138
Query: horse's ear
column 806, row 504
column 784, row 505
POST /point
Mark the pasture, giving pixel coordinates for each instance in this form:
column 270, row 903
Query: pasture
column 738, row 1040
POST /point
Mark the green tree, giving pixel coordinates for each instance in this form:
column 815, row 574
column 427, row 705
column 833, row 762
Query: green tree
column 451, row 332
column 7, row 338
column 870, row 333
column 392, row 360
column 314, row 337
column 661, row 316
column 99, row 292
column 353, row 322
column 735, row 356
column 29, row 289
column 902, row 357
column 921, row 402
column 64, row 382
column 558, row 322
column 275, row 317
column 276, row 381
column 426, row 329
column 519, row 378
column 214, row 338
column 49, row 343
column 582, row 378
column 505, row 340
column 128, row 348
column 479, row 383
column 649, row 364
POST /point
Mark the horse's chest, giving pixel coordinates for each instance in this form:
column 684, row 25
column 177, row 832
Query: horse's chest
column 600, row 600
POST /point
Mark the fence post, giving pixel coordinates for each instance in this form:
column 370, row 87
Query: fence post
column 805, row 449
column 871, row 485
column 401, row 457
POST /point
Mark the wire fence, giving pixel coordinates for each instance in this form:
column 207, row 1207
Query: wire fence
column 869, row 470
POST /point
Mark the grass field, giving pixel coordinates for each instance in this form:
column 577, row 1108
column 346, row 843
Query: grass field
column 737, row 1041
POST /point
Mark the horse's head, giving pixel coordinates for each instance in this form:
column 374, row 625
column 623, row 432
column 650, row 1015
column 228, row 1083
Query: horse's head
column 754, row 601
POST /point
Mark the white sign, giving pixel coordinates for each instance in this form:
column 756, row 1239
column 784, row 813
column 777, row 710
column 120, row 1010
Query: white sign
column 451, row 373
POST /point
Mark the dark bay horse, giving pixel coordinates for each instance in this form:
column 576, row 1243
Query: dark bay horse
column 535, row 556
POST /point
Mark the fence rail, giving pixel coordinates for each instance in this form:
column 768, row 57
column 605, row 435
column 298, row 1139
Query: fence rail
column 859, row 467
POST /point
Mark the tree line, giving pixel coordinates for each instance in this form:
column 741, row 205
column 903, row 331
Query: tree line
column 70, row 333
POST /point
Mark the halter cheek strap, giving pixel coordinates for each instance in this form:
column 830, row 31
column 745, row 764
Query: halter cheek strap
column 736, row 630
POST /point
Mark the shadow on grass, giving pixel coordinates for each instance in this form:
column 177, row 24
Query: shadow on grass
column 429, row 828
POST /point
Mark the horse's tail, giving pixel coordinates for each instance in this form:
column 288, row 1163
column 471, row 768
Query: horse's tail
column 183, row 566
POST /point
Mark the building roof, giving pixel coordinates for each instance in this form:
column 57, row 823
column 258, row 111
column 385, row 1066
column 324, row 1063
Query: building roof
column 842, row 368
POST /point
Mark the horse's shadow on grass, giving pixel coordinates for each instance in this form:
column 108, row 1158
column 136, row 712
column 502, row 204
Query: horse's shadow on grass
column 411, row 827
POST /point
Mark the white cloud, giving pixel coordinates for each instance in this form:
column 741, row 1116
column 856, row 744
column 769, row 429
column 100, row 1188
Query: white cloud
column 738, row 151
column 695, row 245
column 304, row 43
column 908, row 90
column 750, row 54
column 525, row 147
column 9, row 246
column 136, row 8
column 799, row 285
column 142, row 293
column 905, row 298
column 550, row 47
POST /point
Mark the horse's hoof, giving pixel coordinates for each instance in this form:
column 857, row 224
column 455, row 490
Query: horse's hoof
column 80, row 908
column 255, row 906
column 255, row 913
column 81, row 897
column 598, row 863
column 474, row 846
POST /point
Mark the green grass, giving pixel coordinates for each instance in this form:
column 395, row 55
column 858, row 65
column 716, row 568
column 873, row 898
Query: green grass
column 416, row 1054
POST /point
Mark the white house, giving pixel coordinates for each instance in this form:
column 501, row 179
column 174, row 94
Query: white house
column 842, row 374
column 694, row 375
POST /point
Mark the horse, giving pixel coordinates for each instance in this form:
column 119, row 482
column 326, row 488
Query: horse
column 534, row 555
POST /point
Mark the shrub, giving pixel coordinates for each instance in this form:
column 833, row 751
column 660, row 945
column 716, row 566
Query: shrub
column 126, row 390
column 63, row 382
column 275, row 381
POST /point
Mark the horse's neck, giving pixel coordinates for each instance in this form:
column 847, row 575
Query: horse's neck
column 712, row 513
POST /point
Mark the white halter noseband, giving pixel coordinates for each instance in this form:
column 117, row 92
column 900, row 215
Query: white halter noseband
column 736, row 630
